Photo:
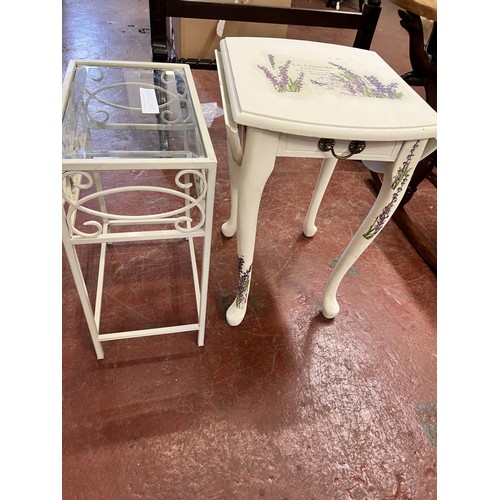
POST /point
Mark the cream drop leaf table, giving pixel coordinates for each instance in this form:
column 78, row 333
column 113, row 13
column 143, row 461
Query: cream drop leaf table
column 298, row 98
column 137, row 166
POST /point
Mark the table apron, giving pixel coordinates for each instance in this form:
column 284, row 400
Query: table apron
column 307, row 147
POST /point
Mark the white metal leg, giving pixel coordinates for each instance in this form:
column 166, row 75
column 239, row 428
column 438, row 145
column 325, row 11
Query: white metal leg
column 206, row 256
column 76, row 271
column 200, row 279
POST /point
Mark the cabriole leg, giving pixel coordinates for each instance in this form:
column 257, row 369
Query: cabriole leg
column 257, row 165
column 324, row 177
column 229, row 227
column 396, row 178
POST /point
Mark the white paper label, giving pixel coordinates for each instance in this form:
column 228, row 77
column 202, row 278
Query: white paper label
column 220, row 28
column 149, row 104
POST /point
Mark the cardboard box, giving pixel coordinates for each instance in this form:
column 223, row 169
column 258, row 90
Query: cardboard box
column 198, row 38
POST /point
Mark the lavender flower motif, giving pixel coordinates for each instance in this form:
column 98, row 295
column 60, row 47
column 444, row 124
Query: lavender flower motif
column 243, row 283
column 398, row 182
column 350, row 83
column 280, row 77
column 271, row 60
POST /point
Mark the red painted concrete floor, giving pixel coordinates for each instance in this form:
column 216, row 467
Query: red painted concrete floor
column 288, row 405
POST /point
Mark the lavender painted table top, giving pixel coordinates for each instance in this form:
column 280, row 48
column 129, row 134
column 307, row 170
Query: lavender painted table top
column 321, row 90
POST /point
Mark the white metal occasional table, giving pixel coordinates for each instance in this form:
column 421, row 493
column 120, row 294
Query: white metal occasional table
column 299, row 98
column 118, row 119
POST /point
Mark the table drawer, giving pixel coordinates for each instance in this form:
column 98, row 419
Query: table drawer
column 300, row 146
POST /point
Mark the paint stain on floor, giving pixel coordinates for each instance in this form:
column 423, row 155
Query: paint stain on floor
column 427, row 418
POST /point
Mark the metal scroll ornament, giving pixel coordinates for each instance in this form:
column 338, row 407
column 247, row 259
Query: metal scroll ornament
column 180, row 218
column 97, row 101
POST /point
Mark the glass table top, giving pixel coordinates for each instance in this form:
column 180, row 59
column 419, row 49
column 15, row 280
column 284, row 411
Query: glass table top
column 130, row 112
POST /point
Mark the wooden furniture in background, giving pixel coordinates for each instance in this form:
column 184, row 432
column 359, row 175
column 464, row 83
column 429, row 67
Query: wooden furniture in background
column 364, row 22
column 423, row 58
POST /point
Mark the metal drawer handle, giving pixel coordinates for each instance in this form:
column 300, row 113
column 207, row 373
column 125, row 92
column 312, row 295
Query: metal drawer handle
column 355, row 147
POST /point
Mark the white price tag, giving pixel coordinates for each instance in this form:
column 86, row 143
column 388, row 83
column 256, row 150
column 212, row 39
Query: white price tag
column 149, row 104
column 220, row 28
